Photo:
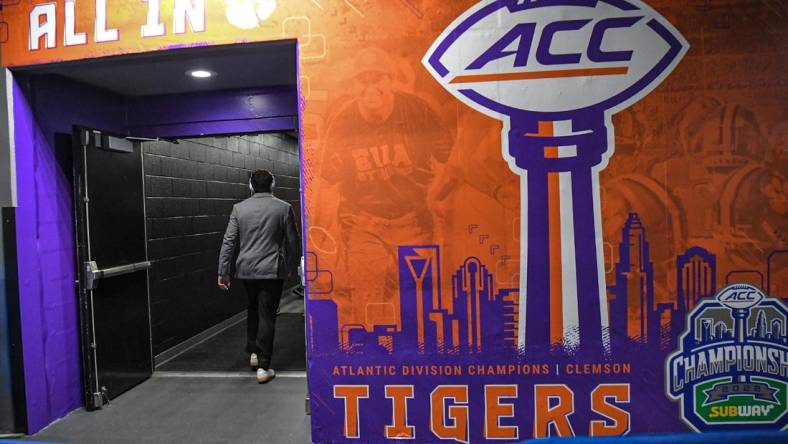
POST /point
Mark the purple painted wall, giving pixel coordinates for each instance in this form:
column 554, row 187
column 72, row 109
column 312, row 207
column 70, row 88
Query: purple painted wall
column 45, row 238
column 44, row 106
column 220, row 112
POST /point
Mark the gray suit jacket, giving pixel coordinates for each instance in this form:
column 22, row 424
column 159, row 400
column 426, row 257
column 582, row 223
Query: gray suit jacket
column 263, row 231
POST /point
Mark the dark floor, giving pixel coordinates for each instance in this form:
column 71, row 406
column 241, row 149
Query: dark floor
column 225, row 351
column 208, row 394
column 292, row 300
column 193, row 410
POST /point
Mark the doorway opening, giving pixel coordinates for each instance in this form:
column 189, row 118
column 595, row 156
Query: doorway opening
column 191, row 186
column 192, row 142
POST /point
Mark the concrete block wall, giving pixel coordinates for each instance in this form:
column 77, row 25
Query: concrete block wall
column 191, row 187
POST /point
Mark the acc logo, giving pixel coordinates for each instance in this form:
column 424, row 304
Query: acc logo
column 740, row 296
column 505, row 56
column 731, row 370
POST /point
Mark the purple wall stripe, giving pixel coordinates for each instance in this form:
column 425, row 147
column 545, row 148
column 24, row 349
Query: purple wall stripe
column 271, row 124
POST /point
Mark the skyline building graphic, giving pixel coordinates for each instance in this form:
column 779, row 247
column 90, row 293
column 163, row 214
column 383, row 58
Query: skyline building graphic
column 472, row 318
column 468, row 315
column 711, row 330
column 778, row 328
column 696, row 278
column 767, row 329
column 714, row 330
column 458, row 322
column 760, row 330
column 483, row 314
column 706, row 330
column 721, row 331
column 636, row 319
column 420, row 299
column 632, row 310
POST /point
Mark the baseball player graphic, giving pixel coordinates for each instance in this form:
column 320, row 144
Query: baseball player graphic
column 383, row 149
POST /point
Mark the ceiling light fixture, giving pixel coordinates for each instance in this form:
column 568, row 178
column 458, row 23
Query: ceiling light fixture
column 201, row 73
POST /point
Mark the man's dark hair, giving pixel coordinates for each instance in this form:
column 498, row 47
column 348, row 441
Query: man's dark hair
column 262, row 181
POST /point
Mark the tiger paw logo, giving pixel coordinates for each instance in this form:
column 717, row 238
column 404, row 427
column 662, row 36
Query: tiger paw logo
column 731, row 370
column 248, row 14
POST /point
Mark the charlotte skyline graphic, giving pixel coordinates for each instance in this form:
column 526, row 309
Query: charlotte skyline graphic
column 713, row 330
column 477, row 317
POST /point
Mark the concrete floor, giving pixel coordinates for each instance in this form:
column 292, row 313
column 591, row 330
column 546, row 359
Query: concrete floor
column 206, row 395
column 224, row 352
column 231, row 409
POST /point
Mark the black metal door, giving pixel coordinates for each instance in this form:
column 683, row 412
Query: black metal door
column 112, row 263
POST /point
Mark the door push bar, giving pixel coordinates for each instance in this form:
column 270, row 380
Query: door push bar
column 93, row 274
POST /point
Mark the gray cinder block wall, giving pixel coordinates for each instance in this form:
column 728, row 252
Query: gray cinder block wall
column 191, row 187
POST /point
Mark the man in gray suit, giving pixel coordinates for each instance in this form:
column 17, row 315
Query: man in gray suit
column 262, row 230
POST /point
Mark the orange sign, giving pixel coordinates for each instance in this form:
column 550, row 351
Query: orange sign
column 44, row 32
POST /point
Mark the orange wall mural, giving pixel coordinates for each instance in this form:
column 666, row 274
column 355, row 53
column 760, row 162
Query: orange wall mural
column 413, row 218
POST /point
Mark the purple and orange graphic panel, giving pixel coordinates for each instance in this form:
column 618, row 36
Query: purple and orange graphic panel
column 513, row 209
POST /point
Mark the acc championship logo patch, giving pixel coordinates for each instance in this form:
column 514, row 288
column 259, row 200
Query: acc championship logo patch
column 731, row 370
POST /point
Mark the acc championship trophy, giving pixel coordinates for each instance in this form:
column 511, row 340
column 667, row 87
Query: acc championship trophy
column 555, row 72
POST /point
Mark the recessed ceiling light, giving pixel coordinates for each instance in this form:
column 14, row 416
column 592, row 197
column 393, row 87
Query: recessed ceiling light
column 201, row 73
